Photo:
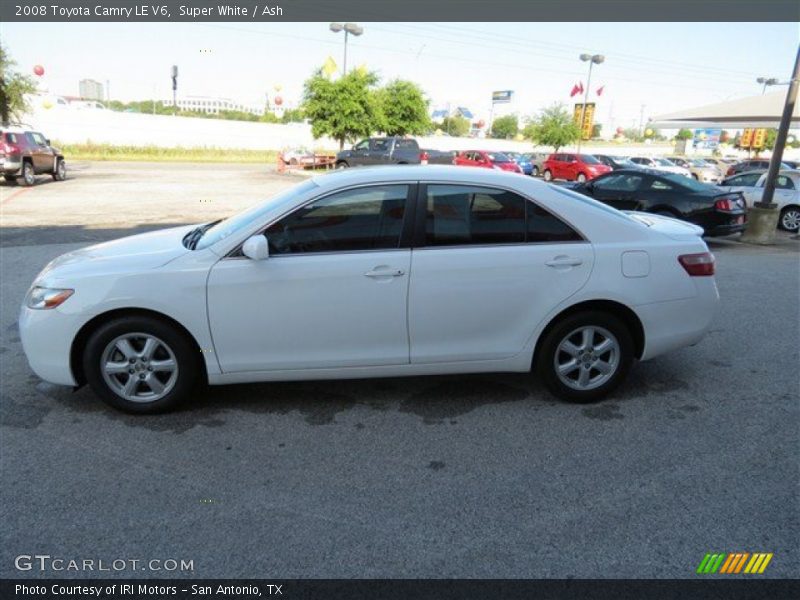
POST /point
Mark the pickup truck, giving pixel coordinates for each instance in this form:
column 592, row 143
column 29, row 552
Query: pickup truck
column 390, row 151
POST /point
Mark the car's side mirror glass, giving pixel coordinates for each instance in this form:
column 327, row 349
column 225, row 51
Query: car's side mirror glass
column 47, row 142
column 256, row 247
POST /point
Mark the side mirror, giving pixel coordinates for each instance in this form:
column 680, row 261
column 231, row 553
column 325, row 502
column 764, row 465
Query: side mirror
column 256, row 247
column 47, row 142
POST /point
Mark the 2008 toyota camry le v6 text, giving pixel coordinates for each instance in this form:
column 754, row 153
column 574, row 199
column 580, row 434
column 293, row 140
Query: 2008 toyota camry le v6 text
column 384, row 271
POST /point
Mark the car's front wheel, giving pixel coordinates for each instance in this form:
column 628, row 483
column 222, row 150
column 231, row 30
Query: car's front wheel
column 140, row 364
column 341, row 165
column 790, row 218
column 585, row 356
column 60, row 174
column 535, row 172
column 548, row 176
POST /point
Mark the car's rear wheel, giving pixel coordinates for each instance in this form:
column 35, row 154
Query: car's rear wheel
column 341, row 165
column 790, row 218
column 548, row 176
column 581, row 178
column 535, row 171
column 140, row 365
column 60, row 174
column 585, row 356
column 28, row 174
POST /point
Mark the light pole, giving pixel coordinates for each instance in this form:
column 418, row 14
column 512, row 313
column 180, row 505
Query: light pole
column 174, row 90
column 592, row 59
column 349, row 29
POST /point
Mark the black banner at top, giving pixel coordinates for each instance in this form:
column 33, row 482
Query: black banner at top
column 398, row 10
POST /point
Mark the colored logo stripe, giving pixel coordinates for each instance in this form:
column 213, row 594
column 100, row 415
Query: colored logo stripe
column 734, row 562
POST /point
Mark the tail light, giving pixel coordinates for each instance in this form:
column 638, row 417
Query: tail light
column 7, row 148
column 727, row 203
column 731, row 172
column 423, row 158
column 698, row 265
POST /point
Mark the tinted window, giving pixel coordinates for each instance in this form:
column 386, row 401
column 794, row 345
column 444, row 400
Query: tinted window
column 379, row 145
column 545, row 227
column 406, row 144
column 784, row 183
column 473, row 215
column 363, row 145
column 624, row 182
column 588, row 159
column 498, row 157
column 367, row 218
column 660, row 184
column 746, row 180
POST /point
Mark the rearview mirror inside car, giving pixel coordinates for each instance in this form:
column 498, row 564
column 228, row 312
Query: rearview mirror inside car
column 256, row 247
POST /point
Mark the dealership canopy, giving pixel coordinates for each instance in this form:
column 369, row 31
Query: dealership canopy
column 754, row 111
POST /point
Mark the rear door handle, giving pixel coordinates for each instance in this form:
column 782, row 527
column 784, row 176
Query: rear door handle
column 564, row 261
column 385, row 272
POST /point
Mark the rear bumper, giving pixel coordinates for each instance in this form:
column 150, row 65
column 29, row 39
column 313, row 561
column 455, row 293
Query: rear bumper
column 728, row 225
column 10, row 166
column 679, row 323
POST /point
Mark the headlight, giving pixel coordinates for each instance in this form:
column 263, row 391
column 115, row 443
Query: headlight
column 46, row 298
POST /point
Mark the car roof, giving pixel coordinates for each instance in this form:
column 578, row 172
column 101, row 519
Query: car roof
column 14, row 129
column 398, row 173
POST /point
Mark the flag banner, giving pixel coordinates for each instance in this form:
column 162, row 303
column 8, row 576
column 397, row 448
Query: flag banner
column 330, row 67
column 600, row 90
column 587, row 125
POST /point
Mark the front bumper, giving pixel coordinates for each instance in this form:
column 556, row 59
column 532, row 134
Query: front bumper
column 47, row 337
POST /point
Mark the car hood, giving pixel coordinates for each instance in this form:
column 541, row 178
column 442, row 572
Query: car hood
column 673, row 228
column 136, row 252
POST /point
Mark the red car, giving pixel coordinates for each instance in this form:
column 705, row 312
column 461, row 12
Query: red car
column 573, row 167
column 487, row 160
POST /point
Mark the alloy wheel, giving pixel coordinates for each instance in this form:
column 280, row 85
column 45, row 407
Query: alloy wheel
column 587, row 358
column 139, row 367
column 790, row 220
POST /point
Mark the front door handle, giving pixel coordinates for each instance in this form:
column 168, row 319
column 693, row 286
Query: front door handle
column 385, row 272
column 564, row 261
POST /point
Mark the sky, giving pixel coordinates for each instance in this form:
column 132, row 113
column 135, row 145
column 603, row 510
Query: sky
column 649, row 68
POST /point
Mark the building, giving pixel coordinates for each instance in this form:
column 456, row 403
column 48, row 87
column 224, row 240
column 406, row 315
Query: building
column 213, row 106
column 89, row 89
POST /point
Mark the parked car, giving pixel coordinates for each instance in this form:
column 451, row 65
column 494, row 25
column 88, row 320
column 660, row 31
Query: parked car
column 787, row 193
column 25, row 153
column 792, row 164
column 390, row 151
column 486, row 160
column 573, row 167
column 318, row 282
column 752, row 164
column 718, row 212
column 660, row 164
column 698, row 168
column 537, row 161
column 524, row 163
column 299, row 155
column 615, row 162
column 721, row 163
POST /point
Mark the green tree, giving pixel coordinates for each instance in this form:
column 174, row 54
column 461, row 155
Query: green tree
column 769, row 141
column 456, row 126
column 554, row 127
column 505, row 127
column 403, row 108
column 344, row 109
column 13, row 87
column 684, row 134
column 293, row 115
column 632, row 134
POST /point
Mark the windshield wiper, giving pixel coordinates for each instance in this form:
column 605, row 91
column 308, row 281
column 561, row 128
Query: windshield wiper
column 190, row 239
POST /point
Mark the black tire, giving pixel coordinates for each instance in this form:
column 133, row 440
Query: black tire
column 60, row 174
column 10, row 178
column 535, row 171
column 28, row 174
column 790, row 218
column 342, row 164
column 548, row 176
column 187, row 357
column 581, row 178
column 547, row 355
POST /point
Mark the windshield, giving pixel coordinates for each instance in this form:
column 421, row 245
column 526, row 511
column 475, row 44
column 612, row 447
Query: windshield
column 588, row 159
column 663, row 162
column 233, row 224
column 699, row 162
column 498, row 157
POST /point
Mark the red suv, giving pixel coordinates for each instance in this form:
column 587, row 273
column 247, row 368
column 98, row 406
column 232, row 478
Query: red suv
column 573, row 167
column 487, row 160
column 26, row 154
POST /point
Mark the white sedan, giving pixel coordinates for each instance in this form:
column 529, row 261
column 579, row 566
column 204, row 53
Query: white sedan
column 660, row 164
column 376, row 272
column 787, row 194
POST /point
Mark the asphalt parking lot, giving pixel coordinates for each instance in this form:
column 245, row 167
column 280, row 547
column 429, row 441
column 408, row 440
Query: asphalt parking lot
column 476, row 476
